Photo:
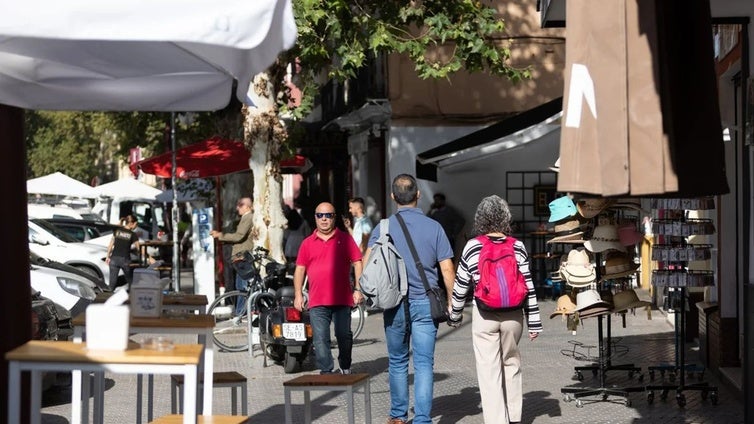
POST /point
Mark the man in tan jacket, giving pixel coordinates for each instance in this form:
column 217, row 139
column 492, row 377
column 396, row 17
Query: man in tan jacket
column 242, row 239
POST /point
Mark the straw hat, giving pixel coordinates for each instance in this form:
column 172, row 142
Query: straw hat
column 570, row 229
column 617, row 265
column 627, row 299
column 629, row 235
column 565, row 306
column 605, row 237
column 562, row 208
column 589, row 208
column 589, row 303
column 578, row 270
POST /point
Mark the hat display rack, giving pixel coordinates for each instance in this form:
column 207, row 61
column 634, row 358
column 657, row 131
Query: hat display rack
column 584, row 224
column 674, row 223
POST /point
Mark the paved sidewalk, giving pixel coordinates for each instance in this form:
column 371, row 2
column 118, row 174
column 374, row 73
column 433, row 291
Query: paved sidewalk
column 546, row 371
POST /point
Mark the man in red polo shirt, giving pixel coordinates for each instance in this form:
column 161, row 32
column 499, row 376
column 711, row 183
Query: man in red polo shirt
column 325, row 258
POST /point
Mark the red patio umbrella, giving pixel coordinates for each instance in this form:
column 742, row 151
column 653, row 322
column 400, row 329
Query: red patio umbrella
column 210, row 158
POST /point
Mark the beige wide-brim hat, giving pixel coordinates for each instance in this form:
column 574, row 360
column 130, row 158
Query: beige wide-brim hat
column 589, row 303
column 605, row 237
column 591, row 207
column 618, row 265
column 578, row 269
column 627, row 299
column 568, row 231
column 565, row 306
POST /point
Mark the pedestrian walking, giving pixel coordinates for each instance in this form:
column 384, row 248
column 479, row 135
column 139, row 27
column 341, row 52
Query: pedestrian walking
column 124, row 241
column 360, row 226
column 496, row 333
column 326, row 258
column 411, row 321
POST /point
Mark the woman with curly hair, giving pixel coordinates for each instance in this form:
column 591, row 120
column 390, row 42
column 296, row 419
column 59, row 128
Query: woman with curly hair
column 496, row 334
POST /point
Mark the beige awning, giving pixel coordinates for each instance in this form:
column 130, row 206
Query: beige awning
column 640, row 107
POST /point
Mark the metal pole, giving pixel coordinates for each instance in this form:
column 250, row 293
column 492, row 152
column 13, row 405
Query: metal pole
column 174, row 214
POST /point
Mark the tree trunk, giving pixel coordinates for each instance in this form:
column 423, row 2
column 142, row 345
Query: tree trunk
column 264, row 134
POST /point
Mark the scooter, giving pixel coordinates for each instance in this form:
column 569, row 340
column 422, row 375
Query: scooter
column 285, row 333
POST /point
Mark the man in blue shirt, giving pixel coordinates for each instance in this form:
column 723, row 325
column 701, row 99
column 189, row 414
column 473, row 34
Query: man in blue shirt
column 432, row 247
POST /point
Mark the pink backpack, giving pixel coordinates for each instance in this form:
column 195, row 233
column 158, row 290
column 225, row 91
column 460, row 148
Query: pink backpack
column 501, row 284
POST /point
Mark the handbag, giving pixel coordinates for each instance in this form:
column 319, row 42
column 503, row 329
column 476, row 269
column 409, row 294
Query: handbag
column 437, row 302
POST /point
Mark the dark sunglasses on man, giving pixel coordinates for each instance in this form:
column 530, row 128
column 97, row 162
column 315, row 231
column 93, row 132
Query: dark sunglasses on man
column 328, row 215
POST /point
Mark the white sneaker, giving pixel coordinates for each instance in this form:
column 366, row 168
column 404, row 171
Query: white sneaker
column 346, row 371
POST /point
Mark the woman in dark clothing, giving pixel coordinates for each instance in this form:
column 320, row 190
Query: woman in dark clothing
column 119, row 252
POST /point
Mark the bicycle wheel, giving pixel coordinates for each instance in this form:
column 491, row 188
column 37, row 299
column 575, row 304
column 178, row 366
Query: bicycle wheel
column 358, row 314
column 231, row 332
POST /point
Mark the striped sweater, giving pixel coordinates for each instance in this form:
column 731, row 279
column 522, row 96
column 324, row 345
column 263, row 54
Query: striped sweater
column 467, row 276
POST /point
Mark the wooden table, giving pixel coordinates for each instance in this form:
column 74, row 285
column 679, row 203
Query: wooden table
column 42, row 355
column 328, row 382
column 199, row 324
column 172, row 301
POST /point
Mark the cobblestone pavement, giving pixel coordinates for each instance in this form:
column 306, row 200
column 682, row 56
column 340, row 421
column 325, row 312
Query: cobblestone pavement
column 643, row 342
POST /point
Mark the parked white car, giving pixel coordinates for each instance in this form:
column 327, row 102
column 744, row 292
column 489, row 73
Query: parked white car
column 50, row 242
column 72, row 292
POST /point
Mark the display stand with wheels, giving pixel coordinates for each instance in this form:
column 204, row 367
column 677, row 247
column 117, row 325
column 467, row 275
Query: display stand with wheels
column 673, row 228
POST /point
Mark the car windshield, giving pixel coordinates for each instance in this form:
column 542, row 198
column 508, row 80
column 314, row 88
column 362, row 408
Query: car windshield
column 55, row 231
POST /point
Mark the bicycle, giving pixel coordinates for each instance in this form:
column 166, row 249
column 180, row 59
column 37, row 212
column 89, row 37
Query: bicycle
column 233, row 332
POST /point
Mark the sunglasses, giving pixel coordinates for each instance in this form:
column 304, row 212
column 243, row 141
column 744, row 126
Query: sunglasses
column 328, row 215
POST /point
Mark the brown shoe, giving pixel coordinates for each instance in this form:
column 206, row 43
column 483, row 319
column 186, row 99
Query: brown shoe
column 396, row 421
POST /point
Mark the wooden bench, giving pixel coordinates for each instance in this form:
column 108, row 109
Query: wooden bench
column 328, row 382
column 231, row 379
column 201, row 419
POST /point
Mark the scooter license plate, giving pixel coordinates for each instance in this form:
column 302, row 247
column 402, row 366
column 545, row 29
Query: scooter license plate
column 294, row 331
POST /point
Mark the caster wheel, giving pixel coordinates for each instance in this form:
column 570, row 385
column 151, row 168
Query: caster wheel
column 579, row 403
column 664, row 394
column 567, row 398
column 604, row 397
column 650, row 397
column 681, row 399
column 713, row 397
column 579, row 376
column 628, row 402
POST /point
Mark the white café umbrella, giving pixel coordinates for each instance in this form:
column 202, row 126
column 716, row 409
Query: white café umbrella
column 128, row 187
column 165, row 55
column 137, row 55
column 59, row 184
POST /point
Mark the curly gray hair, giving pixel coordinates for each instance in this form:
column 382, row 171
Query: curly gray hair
column 492, row 216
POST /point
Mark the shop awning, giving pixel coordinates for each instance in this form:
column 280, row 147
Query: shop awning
column 641, row 114
column 508, row 133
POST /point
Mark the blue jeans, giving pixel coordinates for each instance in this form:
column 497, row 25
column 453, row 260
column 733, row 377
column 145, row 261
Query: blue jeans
column 422, row 338
column 241, row 285
column 320, row 318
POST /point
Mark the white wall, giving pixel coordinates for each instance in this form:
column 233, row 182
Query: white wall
column 467, row 183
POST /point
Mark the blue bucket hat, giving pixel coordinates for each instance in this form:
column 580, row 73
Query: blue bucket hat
column 562, row 208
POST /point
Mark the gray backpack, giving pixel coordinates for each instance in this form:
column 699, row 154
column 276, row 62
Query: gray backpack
column 383, row 280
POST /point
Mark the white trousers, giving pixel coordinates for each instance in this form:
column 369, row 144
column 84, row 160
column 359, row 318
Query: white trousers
column 495, row 336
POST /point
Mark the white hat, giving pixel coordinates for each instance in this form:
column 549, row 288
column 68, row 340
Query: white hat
column 605, row 237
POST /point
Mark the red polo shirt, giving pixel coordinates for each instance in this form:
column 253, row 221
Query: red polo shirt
column 328, row 266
